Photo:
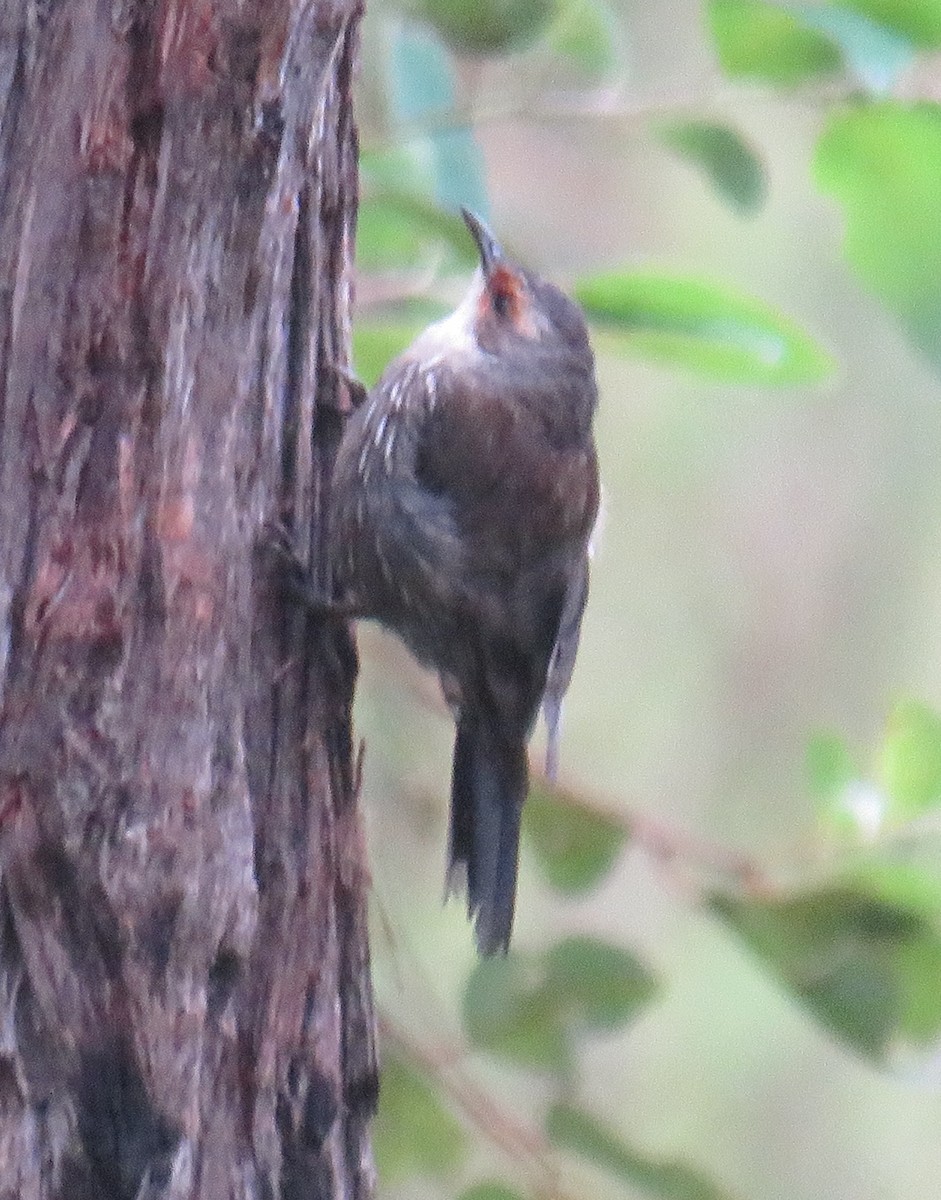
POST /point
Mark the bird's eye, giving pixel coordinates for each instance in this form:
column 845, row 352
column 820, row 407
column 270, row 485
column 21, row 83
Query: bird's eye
column 504, row 295
column 502, row 303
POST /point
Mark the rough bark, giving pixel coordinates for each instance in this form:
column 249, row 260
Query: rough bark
column 185, row 1005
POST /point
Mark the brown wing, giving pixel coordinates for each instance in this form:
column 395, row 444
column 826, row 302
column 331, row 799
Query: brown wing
column 518, row 498
column 525, row 507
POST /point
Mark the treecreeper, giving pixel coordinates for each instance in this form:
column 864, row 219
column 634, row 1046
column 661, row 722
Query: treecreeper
column 463, row 499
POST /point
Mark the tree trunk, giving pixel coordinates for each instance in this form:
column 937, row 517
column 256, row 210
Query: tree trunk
column 185, row 1005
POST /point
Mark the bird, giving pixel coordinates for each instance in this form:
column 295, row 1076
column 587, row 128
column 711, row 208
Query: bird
column 463, row 497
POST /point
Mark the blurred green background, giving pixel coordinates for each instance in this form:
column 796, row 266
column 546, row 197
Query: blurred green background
column 768, row 574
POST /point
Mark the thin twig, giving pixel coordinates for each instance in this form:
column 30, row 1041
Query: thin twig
column 609, row 105
column 519, row 1141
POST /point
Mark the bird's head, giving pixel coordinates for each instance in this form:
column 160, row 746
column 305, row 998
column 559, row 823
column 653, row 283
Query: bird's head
column 509, row 314
column 511, row 309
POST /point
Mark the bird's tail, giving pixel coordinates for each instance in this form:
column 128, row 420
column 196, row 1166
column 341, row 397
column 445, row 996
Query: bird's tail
column 488, row 787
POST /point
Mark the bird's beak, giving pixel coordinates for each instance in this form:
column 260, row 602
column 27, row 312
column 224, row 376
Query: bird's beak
column 488, row 247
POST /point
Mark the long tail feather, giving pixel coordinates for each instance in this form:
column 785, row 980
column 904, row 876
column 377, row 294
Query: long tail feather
column 488, row 787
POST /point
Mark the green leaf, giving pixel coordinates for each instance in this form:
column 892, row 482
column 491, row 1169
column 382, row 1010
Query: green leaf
column 596, row 985
column 905, row 872
column 574, row 846
column 761, row 41
column 508, row 1012
column 850, row 808
column 490, row 1191
column 413, row 1133
column 876, row 55
column 585, row 34
column 402, row 168
column 530, row 1008
column 857, row 962
column 911, row 760
column 882, row 163
column 387, row 238
column 702, row 326
column 725, row 158
column 487, row 27
column 917, row 20
column 830, row 765
column 399, row 229
column 570, row 1128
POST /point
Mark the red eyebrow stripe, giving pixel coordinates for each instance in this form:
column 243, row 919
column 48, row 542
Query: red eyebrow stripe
column 506, row 281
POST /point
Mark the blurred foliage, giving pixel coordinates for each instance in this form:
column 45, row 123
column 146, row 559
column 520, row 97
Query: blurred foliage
column 866, row 968
column 489, row 1191
column 530, row 1009
column 575, row 845
column 732, row 167
column 880, row 161
column 572, row 1129
column 700, row 326
column 853, row 933
column 413, row 1132
column 488, row 26
column 764, row 41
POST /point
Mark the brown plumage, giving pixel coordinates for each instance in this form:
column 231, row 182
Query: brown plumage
column 465, row 492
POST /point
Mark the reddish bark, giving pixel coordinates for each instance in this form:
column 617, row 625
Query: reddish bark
column 185, row 1005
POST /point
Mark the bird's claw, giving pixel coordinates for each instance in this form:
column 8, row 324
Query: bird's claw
column 356, row 389
column 280, row 541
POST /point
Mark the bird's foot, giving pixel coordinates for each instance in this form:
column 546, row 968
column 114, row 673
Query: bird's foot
column 280, row 543
column 356, row 389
